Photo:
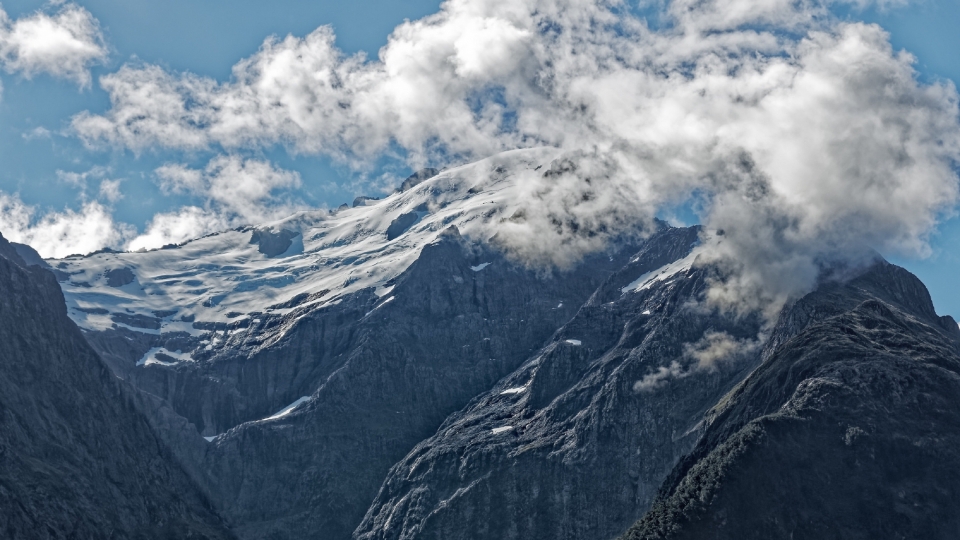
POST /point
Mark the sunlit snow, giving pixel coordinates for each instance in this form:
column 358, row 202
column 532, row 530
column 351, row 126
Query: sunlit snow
column 288, row 409
column 223, row 279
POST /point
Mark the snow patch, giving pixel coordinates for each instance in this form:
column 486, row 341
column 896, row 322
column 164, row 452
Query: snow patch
column 288, row 409
column 150, row 357
column 210, row 439
column 503, row 429
column 575, row 342
column 479, row 267
column 380, row 305
column 511, row 391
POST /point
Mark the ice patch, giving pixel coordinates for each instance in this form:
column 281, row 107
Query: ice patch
column 661, row 274
column 576, row 342
column 380, row 305
column 150, row 357
column 511, row 391
column 479, row 267
column 499, row 430
column 646, row 312
column 288, row 409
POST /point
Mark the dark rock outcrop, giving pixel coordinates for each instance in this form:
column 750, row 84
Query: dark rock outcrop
column 273, row 243
column 418, row 178
column 362, row 200
column 850, row 429
column 118, row 277
column 78, row 458
column 400, row 225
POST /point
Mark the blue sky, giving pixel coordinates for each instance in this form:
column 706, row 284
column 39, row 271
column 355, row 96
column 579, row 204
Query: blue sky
column 42, row 160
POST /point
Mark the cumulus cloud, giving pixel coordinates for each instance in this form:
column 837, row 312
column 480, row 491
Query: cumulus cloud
column 58, row 234
column 235, row 191
column 809, row 138
column 64, row 44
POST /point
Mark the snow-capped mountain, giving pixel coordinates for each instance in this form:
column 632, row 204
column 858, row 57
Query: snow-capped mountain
column 400, row 370
column 228, row 282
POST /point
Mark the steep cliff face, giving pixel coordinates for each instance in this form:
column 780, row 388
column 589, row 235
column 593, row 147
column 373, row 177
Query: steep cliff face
column 458, row 320
column 385, row 372
column 575, row 443
column 850, row 428
column 78, row 459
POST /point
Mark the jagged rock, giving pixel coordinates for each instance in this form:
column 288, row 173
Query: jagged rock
column 418, row 178
column 363, row 200
column 401, row 224
column 118, row 277
column 273, row 244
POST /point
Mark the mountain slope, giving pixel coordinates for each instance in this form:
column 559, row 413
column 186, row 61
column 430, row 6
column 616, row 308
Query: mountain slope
column 314, row 359
column 77, row 457
column 575, row 442
column 850, row 429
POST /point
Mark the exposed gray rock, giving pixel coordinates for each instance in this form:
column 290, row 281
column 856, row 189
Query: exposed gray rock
column 137, row 321
column 418, row 178
column 363, row 200
column 78, row 458
column 273, row 244
column 29, row 255
column 400, row 225
column 118, row 277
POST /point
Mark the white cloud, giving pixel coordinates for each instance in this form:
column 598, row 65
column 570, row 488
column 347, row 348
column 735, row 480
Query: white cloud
column 58, row 234
column 176, row 227
column 235, row 192
column 810, row 137
column 65, row 44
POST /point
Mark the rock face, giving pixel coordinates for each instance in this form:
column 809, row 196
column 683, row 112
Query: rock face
column 78, row 458
column 273, row 243
column 418, row 178
column 850, row 428
column 574, row 444
column 381, row 374
column 400, row 225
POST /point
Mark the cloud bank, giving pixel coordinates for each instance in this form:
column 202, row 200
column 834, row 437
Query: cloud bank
column 65, row 44
column 806, row 138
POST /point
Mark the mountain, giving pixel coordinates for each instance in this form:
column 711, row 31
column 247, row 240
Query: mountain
column 399, row 370
column 850, row 429
column 78, row 457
